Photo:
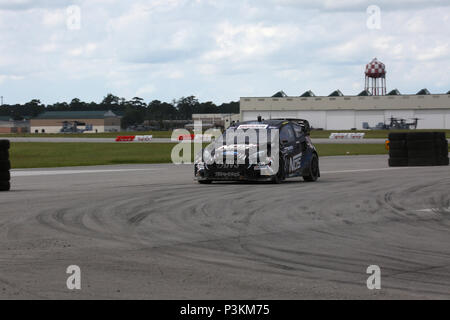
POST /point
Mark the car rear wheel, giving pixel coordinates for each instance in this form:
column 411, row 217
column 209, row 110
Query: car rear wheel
column 280, row 176
column 313, row 174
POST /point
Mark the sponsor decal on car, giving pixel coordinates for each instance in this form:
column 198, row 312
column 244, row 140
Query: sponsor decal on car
column 252, row 126
column 228, row 174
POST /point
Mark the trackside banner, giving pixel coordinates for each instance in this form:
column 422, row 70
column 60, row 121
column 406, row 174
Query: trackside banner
column 134, row 138
column 193, row 137
column 347, row 135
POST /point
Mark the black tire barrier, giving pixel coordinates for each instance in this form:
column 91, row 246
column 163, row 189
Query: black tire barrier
column 5, row 165
column 4, row 155
column 398, row 162
column 5, row 186
column 443, row 161
column 396, row 145
column 4, row 144
column 398, row 153
column 418, row 149
column 421, row 144
column 5, row 176
column 422, row 162
column 418, row 153
column 417, row 136
column 440, row 136
column 441, row 145
column 397, row 136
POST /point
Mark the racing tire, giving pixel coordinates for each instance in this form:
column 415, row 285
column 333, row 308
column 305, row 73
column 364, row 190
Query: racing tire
column 417, row 136
column 422, row 162
column 398, row 153
column 421, row 144
column 5, row 186
column 280, row 176
column 443, row 161
column 397, row 145
column 4, row 155
column 313, row 170
column 5, row 165
column 423, row 153
column 205, row 181
column 440, row 136
column 398, row 162
column 4, row 144
column 442, row 147
column 397, row 136
column 5, row 176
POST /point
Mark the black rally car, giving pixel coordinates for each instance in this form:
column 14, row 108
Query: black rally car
column 289, row 153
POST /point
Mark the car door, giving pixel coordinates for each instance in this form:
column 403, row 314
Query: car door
column 288, row 149
column 301, row 146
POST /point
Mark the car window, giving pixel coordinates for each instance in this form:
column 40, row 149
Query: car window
column 298, row 130
column 286, row 133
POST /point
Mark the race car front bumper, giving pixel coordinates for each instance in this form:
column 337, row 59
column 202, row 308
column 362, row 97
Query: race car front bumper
column 219, row 172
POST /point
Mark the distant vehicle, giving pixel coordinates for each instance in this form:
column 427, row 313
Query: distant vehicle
column 297, row 156
column 138, row 128
column 72, row 127
column 394, row 124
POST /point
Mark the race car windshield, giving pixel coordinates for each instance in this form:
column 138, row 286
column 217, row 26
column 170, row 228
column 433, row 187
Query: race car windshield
column 248, row 136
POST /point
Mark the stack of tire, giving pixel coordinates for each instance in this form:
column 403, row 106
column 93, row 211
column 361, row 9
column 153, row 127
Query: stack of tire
column 418, row 149
column 5, row 166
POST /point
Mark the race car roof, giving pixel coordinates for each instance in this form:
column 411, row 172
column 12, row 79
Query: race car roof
column 269, row 123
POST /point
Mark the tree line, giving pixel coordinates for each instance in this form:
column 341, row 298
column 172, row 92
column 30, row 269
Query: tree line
column 134, row 111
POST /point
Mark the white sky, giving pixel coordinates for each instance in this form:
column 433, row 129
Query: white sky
column 217, row 50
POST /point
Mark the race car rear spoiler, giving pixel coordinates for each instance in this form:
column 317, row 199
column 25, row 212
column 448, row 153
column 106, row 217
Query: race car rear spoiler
column 302, row 122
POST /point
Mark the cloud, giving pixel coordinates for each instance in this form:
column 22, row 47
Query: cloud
column 220, row 50
column 359, row 5
column 32, row 4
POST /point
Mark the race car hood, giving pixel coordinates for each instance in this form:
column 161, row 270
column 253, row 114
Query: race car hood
column 240, row 151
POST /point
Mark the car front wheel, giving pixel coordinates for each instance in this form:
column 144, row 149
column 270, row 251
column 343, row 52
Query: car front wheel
column 313, row 173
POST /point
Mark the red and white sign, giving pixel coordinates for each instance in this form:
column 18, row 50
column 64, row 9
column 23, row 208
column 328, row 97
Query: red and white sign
column 134, row 138
column 194, row 137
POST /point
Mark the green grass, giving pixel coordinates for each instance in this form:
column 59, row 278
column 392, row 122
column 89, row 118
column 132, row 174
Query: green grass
column 47, row 154
column 155, row 134
column 50, row 154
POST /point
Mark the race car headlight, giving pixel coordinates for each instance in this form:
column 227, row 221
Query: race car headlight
column 207, row 157
column 262, row 157
column 198, row 158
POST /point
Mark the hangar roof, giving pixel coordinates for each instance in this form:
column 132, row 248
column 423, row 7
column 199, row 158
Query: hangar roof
column 76, row 115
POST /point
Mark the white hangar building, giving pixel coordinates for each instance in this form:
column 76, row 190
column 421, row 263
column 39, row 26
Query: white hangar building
column 370, row 108
column 339, row 112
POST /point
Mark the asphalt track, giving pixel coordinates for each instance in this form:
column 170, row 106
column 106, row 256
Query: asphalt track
column 149, row 231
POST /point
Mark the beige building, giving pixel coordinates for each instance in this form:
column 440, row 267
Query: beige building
column 340, row 112
column 88, row 121
column 8, row 125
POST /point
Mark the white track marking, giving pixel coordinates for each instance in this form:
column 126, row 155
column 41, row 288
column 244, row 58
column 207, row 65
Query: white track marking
column 366, row 170
column 65, row 172
column 435, row 209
